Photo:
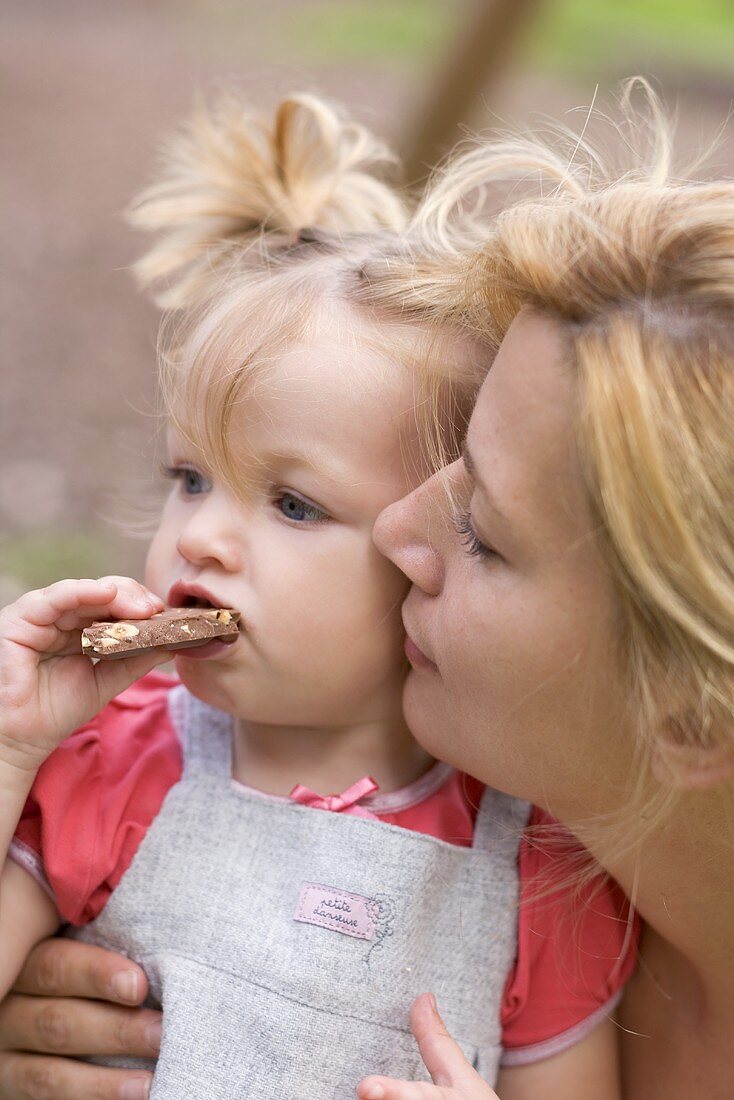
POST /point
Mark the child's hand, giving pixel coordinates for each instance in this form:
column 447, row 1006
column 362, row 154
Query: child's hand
column 47, row 688
column 453, row 1077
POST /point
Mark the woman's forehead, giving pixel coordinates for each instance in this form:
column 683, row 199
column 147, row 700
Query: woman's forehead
column 522, row 433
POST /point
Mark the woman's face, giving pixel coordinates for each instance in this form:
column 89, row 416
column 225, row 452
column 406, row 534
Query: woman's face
column 511, row 619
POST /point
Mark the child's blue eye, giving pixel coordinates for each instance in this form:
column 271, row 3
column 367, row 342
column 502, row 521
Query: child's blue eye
column 192, row 482
column 298, row 509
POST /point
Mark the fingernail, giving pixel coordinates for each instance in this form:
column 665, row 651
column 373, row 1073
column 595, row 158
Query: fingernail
column 135, row 1088
column 153, row 1035
column 434, row 1003
column 373, row 1092
column 125, row 985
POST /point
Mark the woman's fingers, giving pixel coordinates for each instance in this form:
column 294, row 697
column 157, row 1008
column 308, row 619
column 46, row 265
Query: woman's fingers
column 40, row 1021
column 78, row 1028
column 36, row 1077
column 60, row 967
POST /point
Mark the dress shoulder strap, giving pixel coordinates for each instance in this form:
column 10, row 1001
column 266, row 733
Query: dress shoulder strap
column 205, row 734
column 500, row 822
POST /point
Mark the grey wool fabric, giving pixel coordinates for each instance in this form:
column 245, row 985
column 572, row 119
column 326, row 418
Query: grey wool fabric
column 286, row 944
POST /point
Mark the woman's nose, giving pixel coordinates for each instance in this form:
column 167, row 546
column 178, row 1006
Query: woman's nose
column 404, row 531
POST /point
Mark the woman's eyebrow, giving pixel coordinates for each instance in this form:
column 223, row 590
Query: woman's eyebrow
column 468, row 461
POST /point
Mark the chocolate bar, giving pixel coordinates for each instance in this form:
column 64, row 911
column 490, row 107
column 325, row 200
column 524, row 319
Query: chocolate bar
column 175, row 628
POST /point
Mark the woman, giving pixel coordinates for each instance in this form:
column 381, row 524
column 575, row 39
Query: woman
column 571, row 631
column 578, row 648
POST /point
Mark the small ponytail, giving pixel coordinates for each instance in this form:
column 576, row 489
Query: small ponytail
column 230, row 177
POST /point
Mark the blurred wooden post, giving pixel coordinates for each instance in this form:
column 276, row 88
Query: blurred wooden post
column 479, row 56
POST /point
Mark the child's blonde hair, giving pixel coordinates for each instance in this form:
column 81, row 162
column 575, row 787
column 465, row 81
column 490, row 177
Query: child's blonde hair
column 264, row 227
column 637, row 266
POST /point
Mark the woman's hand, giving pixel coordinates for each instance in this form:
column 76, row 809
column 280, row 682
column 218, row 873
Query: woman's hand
column 47, row 687
column 453, row 1077
column 70, row 1000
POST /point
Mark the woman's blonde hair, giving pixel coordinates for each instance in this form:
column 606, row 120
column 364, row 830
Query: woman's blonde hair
column 262, row 223
column 637, row 266
column 263, row 226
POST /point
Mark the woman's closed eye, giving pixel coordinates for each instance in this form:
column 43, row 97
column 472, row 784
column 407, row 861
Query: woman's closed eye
column 473, row 544
column 192, row 480
column 299, row 509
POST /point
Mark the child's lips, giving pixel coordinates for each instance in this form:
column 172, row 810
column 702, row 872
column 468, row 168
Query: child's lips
column 188, row 594
column 210, row 649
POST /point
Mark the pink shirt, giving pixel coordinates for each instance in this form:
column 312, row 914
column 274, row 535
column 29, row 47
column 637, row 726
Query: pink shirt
column 95, row 797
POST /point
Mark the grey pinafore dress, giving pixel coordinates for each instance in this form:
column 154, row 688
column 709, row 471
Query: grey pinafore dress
column 286, row 944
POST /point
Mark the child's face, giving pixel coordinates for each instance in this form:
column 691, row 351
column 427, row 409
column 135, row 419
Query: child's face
column 326, row 441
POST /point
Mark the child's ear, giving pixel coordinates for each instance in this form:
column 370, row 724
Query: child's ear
column 688, row 763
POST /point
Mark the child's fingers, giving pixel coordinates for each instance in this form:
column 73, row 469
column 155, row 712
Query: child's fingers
column 386, row 1088
column 112, row 677
column 40, row 619
column 135, row 596
column 131, row 600
column 443, row 1058
column 65, row 604
column 45, row 606
column 76, row 601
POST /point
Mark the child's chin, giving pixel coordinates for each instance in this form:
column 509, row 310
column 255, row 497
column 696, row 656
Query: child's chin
column 200, row 677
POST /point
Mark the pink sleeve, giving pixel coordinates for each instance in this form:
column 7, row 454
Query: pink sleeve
column 95, row 797
column 577, row 943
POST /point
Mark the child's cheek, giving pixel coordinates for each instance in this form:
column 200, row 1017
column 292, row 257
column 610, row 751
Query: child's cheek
column 156, row 577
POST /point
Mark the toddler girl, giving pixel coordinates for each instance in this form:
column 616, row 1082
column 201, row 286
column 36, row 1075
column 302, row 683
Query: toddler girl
column 177, row 820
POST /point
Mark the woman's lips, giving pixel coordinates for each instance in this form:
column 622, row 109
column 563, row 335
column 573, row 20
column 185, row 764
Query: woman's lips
column 416, row 656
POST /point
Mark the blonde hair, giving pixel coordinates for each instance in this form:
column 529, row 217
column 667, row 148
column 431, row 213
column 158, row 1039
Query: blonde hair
column 637, row 266
column 262, row 226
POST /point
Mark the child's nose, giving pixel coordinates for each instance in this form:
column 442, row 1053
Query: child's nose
column 211, row 536
column 402, row 533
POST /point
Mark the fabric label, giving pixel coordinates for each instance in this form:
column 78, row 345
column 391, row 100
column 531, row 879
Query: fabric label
column 330, row 907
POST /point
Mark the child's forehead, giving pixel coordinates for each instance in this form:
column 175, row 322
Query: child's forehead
column 318, row 399
column 341, row 375
column 342, row 408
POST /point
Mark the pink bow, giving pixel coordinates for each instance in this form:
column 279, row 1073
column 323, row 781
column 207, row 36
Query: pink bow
column 346, row 802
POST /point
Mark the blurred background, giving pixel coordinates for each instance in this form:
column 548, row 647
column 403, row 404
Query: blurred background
column 89, row 88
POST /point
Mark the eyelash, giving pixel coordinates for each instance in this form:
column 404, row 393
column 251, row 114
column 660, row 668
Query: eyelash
column 312, row 512
column 474, row 546
column 318, row 514
column 180, row 473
